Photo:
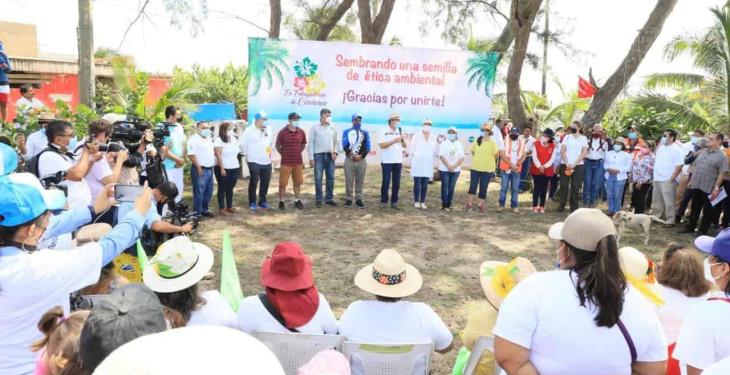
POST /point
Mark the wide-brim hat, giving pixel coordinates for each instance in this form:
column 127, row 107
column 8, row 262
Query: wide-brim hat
column 389, row 276
column 640, row 272
column 548, row 133
column 287, row 269
column 179, row 264
column 46, row 117
column 394, row 116
column 620, row 140
column 498, row 278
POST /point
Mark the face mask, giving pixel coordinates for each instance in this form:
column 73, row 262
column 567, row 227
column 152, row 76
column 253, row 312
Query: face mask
column 426, row 128
column 43, row 131
column 617, row 148
column 544, row 139
column 452, row 137
column 72, row 143
column 230, row 134
column 663, row 141
column 513, row 136
column 597, row 135
column 708, row 270
column 632, row 135
column 644, row 151
column 180, row 119
column 483, row 133
column 573, row 130
column 295, row 124
column 693, row 140
column 356, row 125
column 205, row 133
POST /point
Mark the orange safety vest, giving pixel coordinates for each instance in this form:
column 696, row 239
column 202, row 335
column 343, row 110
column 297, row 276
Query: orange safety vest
column 504, row 163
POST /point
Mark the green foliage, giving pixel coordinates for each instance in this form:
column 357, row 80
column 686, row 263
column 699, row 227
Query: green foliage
column 482, row 70
column 308, row 26
column 211, row 85
column 268, row 60
column 80, row 119
column 104, row 52
column 649, row 121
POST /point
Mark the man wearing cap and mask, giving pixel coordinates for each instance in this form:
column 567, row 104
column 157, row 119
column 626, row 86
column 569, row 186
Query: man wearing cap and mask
column 392, row 149
column 323, row 150
column 356, row 144
column 290, row 142
column 175, row 150
column 255, row 145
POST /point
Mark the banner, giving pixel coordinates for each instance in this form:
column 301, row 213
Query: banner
column 451, row 88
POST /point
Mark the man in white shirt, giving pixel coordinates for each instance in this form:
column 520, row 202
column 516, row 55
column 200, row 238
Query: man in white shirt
column 573, row 150
column 174, row 153
column 255, row 145
column 497, row 134
column 27, row 103
column 323, row 148
column 392, row 144
column 529, row 140
column 667, row 166
column 594, row 166
column 101, row 173
column 201, row 154
column 36, row 141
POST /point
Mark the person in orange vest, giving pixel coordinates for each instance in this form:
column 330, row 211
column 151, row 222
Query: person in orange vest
column 510, row 166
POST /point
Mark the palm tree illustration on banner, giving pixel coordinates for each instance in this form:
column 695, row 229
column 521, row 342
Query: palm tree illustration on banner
column 481, row 70
column 267, row 62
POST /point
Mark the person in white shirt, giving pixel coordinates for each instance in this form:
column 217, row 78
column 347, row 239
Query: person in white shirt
column 58, row 158
column 389, row 319
column 617, row 164
column 227, row 166
column 27, row 103
column 255, row 145
column 423, row 148
column 510, row 164
column 573, row 150
column 101, row 172
column 392, row 144
column 174, row 152
column 497, row 134
column 290, row 302
column 529, row 140
column 705, row 335
column 667, row 166
column 593, row 171
column 36, row 141
column 174, row 274
column 583, row 318
column 202, row 155
column 719, row 368
column 451, row 156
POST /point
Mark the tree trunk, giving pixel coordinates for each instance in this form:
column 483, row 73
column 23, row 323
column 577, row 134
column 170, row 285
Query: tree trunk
column 522, row 16
column 372, row 30
column 613, row 86
column 275, row 21
column 545, row 42
column 329, row 25
column 87, row 79
column 505, row 39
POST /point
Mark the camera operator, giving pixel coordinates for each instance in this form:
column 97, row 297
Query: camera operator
column 175, row 150
column 57, row 158
column 162, row 194
column 101, row 173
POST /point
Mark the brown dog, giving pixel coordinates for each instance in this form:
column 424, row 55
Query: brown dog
column 623, row 219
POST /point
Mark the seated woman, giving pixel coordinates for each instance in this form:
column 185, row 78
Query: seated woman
column 705, row 335
column 290, row 302
column 583, row 318
column 497, row 279
column 389, row 319
column 59, row 347
column 174, row 274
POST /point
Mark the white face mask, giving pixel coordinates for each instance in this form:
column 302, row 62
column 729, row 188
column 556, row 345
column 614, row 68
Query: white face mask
column 426, row 129
column 295, row 123
column 708, row 270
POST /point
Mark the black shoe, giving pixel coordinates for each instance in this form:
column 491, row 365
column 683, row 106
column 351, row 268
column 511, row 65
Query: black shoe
column 298, row 204
column 281, row 205
column 348, row 203
column 359, row 203
column 317, row 204
column 208, row 214
column 331, row 203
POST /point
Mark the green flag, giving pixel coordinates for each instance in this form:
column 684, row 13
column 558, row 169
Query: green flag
column 141, row 257
column 230, row 284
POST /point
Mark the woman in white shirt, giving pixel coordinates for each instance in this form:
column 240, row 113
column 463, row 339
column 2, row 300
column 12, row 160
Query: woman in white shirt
column 227, row 166
column 617, row 164
column 451, row 156
column 423, row 149
column 583, row 318
column 174, row 274
column 705, row 335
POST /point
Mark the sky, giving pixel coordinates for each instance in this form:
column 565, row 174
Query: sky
column 601, row 30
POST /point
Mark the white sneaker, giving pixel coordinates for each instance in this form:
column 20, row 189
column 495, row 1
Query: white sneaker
column 417, row 204
column 423, row 206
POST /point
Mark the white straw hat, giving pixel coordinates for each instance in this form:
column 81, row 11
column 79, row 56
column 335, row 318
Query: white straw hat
column 389, row 276
column 179, row 264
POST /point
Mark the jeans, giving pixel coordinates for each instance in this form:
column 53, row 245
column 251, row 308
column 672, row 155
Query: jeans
column 225, row 186
column 638, row 197
column 420, row 188
column 525, row 173
column 354, row 178
column 700, row 204
column 391, row 171
column 323, row 163
column 570, row 185
column 539, row 192
column 614, row 190
column 448, row 184
column 509, row 181
column 553, row 185
column 480, row 180
column 592, row 178
column 259, row 175
column 202, row 189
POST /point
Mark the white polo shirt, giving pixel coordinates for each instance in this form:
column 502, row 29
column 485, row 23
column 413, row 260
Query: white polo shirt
column 574, row 145
column 667, row 158
column 705, row 335
column 255, row 144
column 229, row 152
column 214, row 312
column 394, row 153
column 452, row 151
column 253, row 317
column 719, row 368
column 202, row 149
column 50, row 163
column 98, row 171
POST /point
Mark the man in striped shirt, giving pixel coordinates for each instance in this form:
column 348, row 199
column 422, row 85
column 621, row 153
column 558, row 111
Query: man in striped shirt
column 290, row 143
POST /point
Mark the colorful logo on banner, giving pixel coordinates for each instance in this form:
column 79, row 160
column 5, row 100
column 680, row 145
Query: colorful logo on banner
column 307, row 79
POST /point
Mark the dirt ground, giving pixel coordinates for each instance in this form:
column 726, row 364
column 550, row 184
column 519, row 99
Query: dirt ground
column 446, row 247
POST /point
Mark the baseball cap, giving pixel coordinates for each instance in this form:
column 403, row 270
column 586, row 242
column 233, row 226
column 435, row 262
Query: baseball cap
column 129, row 312
column 8, row 159
column 514, row 130
column 718, row 246
column 452, row 129
column 356, row 116
column 260, row 115
column 294, row 116
column 583, row 229
column 20, row 203
column 53, row 198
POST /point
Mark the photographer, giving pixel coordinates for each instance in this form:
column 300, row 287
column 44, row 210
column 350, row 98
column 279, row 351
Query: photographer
column 161, row 195
column 57, row 158
column 101, row 173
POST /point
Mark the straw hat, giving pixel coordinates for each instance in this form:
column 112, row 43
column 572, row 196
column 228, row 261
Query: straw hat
column 394, row 116
column 179, row 264
column 640, row 273
column 498, row 278
column 389, row 276
column 46, row 117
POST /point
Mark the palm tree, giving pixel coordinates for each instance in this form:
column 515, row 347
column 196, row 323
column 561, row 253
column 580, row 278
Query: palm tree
column 704, row 99
column 482, row 71
column 267, row 60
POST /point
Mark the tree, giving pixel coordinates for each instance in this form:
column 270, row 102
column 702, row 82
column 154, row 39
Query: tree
column 326, row 28
column 213, row 85
column 617, row 81
column 522, row 16
column 322, row 22
column 373, row 29
column 275, row 18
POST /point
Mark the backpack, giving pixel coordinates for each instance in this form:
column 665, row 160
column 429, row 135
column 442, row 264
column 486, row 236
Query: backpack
column 32, row 164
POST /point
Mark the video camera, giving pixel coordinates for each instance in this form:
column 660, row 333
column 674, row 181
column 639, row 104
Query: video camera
column 53, row 182
column 130, row 132
column 178, row 214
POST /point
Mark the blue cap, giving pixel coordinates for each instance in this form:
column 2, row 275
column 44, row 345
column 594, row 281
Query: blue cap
column 718, row 246
column 260, row 115
column 514, row 130
column 355, row 116
column 20, row 204
column 8, row 159
column 54, row 198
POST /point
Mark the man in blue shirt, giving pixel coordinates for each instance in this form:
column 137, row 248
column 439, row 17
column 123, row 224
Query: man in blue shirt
column 356, row 144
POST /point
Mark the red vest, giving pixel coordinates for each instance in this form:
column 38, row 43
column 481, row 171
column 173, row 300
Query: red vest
column 544, row 154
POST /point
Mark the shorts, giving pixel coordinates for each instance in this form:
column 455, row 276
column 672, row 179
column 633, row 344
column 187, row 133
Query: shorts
column 4, row 94
column 295, row 171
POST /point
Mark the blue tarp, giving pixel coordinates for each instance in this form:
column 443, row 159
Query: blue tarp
column 214, row 111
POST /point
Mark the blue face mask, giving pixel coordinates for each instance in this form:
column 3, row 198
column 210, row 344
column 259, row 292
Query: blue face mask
column 452, row 137
column 205, row 133
column 43, row 131
column 72, row 143
column 693, row 140
column 632, row 135
column 356, row 125
column 484, row 134
column 617, row 148
column 663, row 140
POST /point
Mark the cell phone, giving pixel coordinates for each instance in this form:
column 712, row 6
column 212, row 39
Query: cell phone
column 127, row 193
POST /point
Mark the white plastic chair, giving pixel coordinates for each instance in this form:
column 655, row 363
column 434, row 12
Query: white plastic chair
column 483, row 343
column 296, row 349
column 391, row 359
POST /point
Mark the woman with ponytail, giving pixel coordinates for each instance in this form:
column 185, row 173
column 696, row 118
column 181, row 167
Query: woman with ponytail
column 59, row 347
column 582, row 318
